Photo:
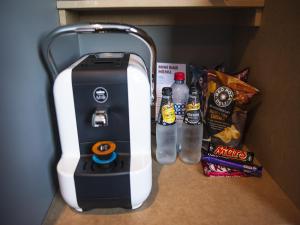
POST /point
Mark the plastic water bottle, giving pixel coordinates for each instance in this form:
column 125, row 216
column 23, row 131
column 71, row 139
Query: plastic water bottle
column 166, row 129
column 180, row 96
column 192, row 129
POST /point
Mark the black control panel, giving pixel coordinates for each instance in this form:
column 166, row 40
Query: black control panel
column 100, row 86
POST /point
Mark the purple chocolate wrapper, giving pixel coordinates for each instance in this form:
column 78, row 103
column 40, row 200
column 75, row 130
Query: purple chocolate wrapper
column 254, row 170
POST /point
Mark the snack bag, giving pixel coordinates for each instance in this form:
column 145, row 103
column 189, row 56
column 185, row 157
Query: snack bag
column 242, row 75
column 225, row 109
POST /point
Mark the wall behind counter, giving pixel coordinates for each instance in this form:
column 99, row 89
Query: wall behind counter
column 29, row 144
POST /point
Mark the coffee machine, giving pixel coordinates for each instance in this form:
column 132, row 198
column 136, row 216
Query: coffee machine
column 102, row 104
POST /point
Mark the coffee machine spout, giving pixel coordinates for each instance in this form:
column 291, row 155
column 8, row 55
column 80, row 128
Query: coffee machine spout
column 99, row 118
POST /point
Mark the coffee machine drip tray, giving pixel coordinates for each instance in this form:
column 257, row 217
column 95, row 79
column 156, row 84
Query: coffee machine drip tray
column 103, row 186
column 120, row 165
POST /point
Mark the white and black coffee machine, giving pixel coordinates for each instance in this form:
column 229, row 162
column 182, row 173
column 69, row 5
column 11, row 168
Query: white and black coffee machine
column 102, row 104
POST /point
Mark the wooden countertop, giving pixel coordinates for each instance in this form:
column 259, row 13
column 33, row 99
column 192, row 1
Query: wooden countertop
column 182, row 195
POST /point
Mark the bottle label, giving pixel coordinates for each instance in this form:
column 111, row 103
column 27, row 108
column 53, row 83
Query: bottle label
column 179, row 109
column 193, row 106
column 168, row 114
column 192, row 115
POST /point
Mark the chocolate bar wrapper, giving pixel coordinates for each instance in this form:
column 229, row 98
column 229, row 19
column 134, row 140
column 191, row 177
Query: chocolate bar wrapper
column 227, row 152
column 214, row 170
column 252, row 170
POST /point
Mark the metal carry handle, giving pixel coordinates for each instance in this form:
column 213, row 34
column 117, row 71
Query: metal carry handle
column 100, row 28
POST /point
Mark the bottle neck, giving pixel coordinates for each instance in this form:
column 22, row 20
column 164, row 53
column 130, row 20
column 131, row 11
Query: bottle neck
column 179, row 81
column 193, row 98
column 167, row 97
column 166, row 100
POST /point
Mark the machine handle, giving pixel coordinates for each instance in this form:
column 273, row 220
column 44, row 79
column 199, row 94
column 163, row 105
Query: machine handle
column 100, row 28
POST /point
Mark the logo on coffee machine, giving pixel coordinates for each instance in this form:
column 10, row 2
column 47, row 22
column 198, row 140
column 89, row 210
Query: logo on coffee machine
column 100, row 95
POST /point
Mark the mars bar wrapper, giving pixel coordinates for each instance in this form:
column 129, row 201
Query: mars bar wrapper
column 226, row 152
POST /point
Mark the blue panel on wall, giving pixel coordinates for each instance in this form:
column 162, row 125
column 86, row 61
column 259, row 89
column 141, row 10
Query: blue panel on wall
column 29, row 144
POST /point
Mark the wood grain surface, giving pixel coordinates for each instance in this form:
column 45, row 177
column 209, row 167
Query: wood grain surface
column 273, row 54
column 101, row 4
column 181, row 194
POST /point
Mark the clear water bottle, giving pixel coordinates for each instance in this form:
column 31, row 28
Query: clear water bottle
column 180, row 96
column 192, row 129
column 166, row 129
